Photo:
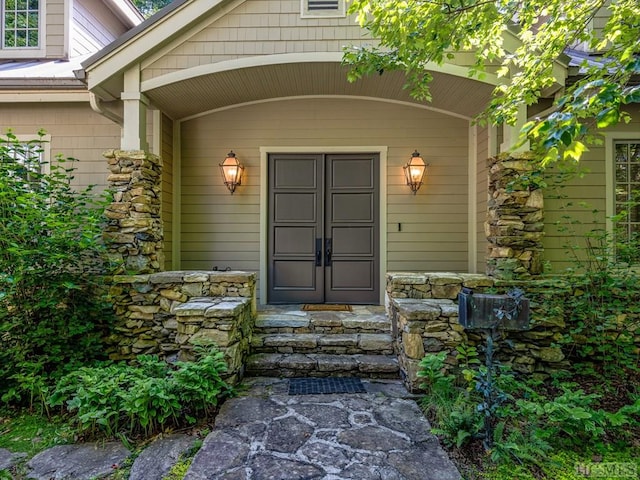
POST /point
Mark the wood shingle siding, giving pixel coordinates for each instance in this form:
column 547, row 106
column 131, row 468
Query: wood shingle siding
column 76, row 131
column 223, row 230
column 258, row 27
column 587, row 196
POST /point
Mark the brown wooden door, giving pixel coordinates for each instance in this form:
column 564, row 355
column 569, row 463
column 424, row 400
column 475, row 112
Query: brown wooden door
column 323, row 228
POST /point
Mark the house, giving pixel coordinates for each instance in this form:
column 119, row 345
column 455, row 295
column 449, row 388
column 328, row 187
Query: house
column 323, row 211
column 38, row 87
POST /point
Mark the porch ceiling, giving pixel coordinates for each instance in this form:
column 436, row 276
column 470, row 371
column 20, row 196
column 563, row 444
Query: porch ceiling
column 458, row 95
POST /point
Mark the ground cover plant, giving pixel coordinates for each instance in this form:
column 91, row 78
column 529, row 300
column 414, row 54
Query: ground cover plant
column 541, row 429
column 142, row 398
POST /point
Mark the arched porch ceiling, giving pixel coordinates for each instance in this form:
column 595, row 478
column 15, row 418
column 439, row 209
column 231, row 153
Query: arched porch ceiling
column 185, row 97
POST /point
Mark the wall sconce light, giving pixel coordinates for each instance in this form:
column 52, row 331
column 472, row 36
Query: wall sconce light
column 414, row 171
column 231, row 172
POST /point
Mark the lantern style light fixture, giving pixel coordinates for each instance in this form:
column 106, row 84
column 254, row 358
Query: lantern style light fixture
column 414, row 171
column 231, row 172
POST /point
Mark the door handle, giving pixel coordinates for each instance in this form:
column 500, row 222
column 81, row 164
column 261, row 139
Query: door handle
column 318, row 252
column 328, row 247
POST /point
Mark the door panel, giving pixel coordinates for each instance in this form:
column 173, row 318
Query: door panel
column 295, row 276
column 323, row 228
column 353, row 241
column 294, row 240
column 295, row 208
column 352, row 207
column 352, row 226
column 349, row 276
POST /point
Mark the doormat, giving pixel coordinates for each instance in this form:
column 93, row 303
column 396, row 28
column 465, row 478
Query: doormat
column 316, row 386
column 318, row 307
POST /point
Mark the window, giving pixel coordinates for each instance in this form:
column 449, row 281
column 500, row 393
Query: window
column 322, row 8
column 25, row 156
column 627, row 198
column 21, row 24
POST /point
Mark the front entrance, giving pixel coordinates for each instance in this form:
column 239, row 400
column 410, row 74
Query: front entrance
column 323, row 228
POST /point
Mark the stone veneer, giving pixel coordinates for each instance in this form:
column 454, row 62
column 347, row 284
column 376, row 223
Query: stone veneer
column 133, row 233
column 167, row 313
column 424, row 317
column 515, row 212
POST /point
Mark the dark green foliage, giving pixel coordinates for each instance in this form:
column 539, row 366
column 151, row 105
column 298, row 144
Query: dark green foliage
column 143, row 398
column 528, row 420
column 52, row 313
column 603, row 312
column 149, row 7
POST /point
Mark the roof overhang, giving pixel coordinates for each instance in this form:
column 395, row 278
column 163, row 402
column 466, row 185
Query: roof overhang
column 192, row 92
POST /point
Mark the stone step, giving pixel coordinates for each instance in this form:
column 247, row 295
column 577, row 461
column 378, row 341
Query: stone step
column 320, row 322
column 339, row 343
column 322, row 365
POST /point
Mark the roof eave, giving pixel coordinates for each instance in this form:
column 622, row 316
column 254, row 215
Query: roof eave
column 126, row 11
column 38, row 83
column 131, row 34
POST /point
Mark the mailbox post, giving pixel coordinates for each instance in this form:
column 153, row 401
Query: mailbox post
column 491, row 314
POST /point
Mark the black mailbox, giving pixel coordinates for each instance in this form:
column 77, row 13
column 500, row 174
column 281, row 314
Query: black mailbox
column 485, row 311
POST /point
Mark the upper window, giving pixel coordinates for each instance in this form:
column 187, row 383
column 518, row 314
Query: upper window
column 627, row 198
column 21, row 27
column 322, row 8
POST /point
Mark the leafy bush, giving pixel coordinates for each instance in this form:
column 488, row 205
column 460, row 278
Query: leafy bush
column 527, row 423
column 143, row 398
column 52, row 313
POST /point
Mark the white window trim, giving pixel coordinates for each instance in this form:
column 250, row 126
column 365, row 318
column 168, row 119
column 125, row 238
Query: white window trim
column 26, row 52
column 610, row 139
column 341, row 12
column 46, row 148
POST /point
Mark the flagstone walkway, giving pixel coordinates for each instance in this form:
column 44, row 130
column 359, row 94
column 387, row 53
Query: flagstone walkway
column 267, row 434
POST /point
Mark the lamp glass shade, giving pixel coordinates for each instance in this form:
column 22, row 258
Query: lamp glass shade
column 414, row 172
column 231, row 172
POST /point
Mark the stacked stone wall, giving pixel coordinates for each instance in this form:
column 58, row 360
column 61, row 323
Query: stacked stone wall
column 226, row 322
column 133, row 233
column 147, row 306
column 424, row 316
column 515, row 211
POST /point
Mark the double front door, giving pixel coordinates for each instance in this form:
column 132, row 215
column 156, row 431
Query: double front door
column 323, row 228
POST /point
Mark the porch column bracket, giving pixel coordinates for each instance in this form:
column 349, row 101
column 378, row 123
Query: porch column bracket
column 134, row 132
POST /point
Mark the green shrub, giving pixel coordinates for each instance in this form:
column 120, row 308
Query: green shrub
column 52, row 313
column 143, row 398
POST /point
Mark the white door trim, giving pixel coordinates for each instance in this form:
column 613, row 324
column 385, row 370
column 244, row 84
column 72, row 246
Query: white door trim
column 264, row 196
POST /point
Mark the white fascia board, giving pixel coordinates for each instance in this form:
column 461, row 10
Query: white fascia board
column 127, row 11
column 146, row 41
column 42, row 96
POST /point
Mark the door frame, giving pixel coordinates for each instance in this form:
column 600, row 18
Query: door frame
column 264, row 213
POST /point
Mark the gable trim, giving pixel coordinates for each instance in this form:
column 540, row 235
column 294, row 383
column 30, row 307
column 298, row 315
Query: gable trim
column 189, row 33
column 156, row 31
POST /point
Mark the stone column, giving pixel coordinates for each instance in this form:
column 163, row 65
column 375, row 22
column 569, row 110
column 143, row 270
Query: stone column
column 134, row 231
column 514, row 225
